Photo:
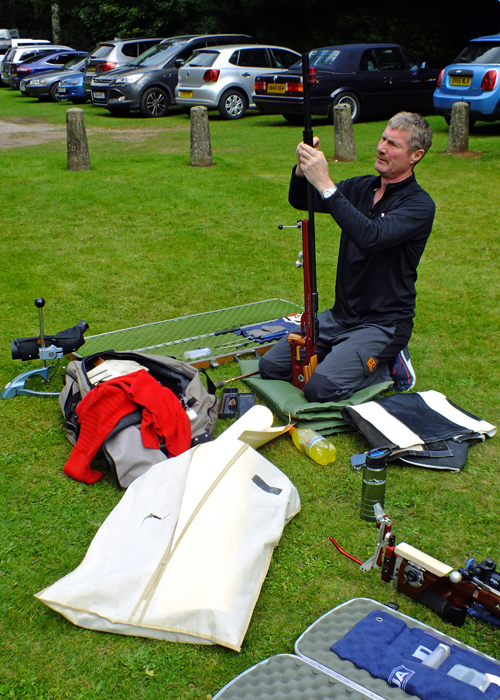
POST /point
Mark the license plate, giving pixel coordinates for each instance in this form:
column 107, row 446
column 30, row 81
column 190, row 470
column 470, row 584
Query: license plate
column 460, row 80
column 14, row 73
column 91, row 69
column 276, row 87
column 98, row 95
column 185, row 93
column 61, row 90
column 22, row 88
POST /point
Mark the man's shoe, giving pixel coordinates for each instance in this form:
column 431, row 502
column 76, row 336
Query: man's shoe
column 402, row 373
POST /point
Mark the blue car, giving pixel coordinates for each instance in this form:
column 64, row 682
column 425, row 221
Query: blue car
column 473, row 78
column 42, row 64
column 44, row 85
column 71, row 88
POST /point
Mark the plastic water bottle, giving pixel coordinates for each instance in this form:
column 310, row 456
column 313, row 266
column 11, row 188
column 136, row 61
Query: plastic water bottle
column 374, row 476
column 315, row 446
column 198, row 354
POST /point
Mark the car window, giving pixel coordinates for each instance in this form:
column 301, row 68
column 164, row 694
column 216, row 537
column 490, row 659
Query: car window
column 411, row 62
column 253, row 58
column 76, row 63
column 284, row 58
column 145, row 45
column 323, row 57
column 202, row 59
column 102, row 51
column 480, row 52
column 368, row 61
column 58, row 60
column 131, row 49
column 30, row 54
column 390, row 59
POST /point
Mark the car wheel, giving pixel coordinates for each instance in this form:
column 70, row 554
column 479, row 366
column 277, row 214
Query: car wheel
column 232, row 105
column 53, row 93
column 347, row 98
column 296, row 119
column 154, row 103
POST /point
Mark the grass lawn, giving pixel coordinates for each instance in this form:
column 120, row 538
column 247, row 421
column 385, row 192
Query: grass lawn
column 143, row 237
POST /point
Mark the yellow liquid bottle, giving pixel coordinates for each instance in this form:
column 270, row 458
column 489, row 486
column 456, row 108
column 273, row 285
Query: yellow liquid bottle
column 314, row 445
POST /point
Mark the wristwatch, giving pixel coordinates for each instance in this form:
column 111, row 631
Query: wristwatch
column 329, row 192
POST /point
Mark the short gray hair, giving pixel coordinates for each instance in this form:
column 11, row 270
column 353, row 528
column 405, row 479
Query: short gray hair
column 418, row 128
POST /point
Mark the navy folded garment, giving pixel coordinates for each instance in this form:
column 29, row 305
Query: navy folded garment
column 387, row 648
column 264, row 332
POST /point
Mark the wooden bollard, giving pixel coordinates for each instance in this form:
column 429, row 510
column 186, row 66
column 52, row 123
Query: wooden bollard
column 458, row 134
column 344, row 145
column 77, row 147
column 201, row 148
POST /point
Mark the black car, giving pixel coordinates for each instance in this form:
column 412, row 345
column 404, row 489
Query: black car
column 374, row 79
column 148, row 83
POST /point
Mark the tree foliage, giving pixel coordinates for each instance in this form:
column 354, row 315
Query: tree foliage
column 435, row 31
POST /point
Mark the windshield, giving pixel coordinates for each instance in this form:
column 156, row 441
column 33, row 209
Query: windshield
column 77, row 62
column 480, row 52
column 158, row 54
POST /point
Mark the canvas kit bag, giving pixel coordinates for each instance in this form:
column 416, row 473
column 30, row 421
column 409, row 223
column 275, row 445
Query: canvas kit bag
column 123, row 447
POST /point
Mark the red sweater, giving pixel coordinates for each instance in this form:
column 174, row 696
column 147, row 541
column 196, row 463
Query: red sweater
column 163, row 418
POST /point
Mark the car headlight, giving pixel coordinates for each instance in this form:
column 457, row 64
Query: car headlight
column 127, row 79
column 37, row 81
column 71, row 82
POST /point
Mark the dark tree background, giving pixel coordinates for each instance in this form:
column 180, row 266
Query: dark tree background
column 435, row 30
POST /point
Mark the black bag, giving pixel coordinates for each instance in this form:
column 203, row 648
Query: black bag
column 123, row 446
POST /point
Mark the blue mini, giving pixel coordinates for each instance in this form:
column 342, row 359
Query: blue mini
column 474, row 77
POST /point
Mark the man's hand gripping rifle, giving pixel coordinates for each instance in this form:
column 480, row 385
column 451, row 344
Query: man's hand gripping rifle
column 303, row 345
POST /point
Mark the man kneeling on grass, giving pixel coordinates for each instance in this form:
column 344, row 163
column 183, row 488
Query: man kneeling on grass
column 385, row 222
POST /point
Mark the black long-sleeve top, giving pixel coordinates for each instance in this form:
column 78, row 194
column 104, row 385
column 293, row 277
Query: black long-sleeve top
column 380, row 246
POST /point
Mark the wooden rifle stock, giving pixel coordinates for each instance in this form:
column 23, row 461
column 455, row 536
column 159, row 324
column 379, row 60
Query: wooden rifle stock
column 303, row 346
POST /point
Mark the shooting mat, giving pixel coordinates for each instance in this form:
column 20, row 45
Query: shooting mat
column 175, row 336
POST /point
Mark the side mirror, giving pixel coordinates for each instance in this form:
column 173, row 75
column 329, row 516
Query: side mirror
column 178, row 62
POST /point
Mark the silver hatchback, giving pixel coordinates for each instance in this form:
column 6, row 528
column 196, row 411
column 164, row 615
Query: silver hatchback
column 222, row 77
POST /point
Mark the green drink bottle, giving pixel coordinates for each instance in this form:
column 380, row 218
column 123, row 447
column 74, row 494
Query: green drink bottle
column 374, row 478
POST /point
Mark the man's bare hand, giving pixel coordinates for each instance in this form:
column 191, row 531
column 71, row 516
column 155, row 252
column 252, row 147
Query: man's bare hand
column 311, row 162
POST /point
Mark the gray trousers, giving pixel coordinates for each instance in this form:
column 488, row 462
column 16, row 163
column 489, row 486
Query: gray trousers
column 348, row 359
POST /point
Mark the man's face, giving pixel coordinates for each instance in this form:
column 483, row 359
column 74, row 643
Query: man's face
column 394, row 161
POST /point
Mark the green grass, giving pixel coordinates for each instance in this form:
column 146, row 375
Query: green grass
column 143, row 237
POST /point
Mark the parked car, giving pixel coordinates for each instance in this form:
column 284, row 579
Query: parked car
column 44, row 85
column 223, row 78
column 6, row 45
column 17, row 55
column 148, row 83
column 19, row 43
column 71, row 89
column 474, row 78
column 373, row 79
column 38, row 64
column 109, row 55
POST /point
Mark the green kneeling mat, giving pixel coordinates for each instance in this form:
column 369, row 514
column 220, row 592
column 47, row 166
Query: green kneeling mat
column 289, row 402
